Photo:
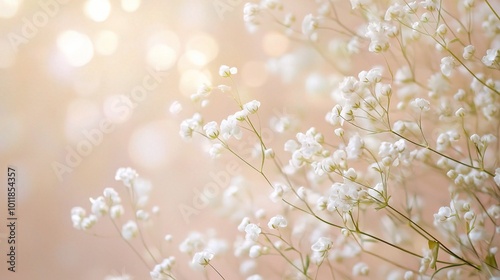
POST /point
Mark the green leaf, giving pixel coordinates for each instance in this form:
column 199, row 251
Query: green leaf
column 491, row 261
column 434, row 246
column 308, row 262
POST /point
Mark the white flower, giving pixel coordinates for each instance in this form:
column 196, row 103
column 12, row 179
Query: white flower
column 192, row 243
column 491, row 58
column 99, row 206
column 127, row 175
column 355, row 146
column 468, row 52
column 165, row 267
column 211, row 130
column 129, row 230
column 277, row 222
column 252, row 107
column 255, row 277
column 255, row 251
column 252, row 232
column 175, row 108
column 116, row 211
column 111, row 196
column 378, row 34
column 309, row 26
column 497, row 176
column 278, row 191
column 77, row 216
column 360, row 269
column 215, row 150
column 322, row 245
column 229, row 127
column 89, row 222
column 250, row 13
column 244, row 222
column 188, row 126
column 202, row 258
column 447, row 65
column 443, row 214
column 421, row 104
column 226, row 71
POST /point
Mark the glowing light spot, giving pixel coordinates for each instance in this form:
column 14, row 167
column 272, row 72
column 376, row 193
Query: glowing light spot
column 196, row 57
column 131, row 5
column 97, row 10
column 204, row 44
column 161, row 57
column 275, row 44
column 191, row 79
column 151, row 144
column 106, row 42
column 8, row 8
column 254, row 73
column 76, row 47
column 7, row 54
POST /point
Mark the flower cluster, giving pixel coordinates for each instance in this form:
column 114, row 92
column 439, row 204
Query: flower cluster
column 397, row 178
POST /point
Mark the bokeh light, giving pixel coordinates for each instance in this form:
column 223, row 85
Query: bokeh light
column 8, row 8
column 97, row 10
column 76, row 47
column 130, row 5
column 191, row 79
column 161, row 57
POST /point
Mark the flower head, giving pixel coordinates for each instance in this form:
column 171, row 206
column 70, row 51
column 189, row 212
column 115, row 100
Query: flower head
column 226, row 71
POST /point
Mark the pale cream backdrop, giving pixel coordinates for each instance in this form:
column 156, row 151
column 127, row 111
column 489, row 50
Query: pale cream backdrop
column 65, row 69
column 68, row 68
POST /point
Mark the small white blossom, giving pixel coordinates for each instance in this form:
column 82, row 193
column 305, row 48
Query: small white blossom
column 211, row 130
column 116, row 211
column 188, row 126
column 255, row 251
column 202, row 258
column 77, row 216
column 277, row 222
column 447, row 65
column 492, row 58
column 127, row 175
column 322, row 245
column 99, row 206
column 468, row 52
column 360, row 269
column 252, row 232
column 226, row 71
column 309, row 26
column 129, row 230
column 252, row 107
column 421, row 104
column 229, row 127
column 443, row 214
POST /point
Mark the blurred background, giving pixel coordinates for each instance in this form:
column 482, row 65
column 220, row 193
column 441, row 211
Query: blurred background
column 87, row 87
